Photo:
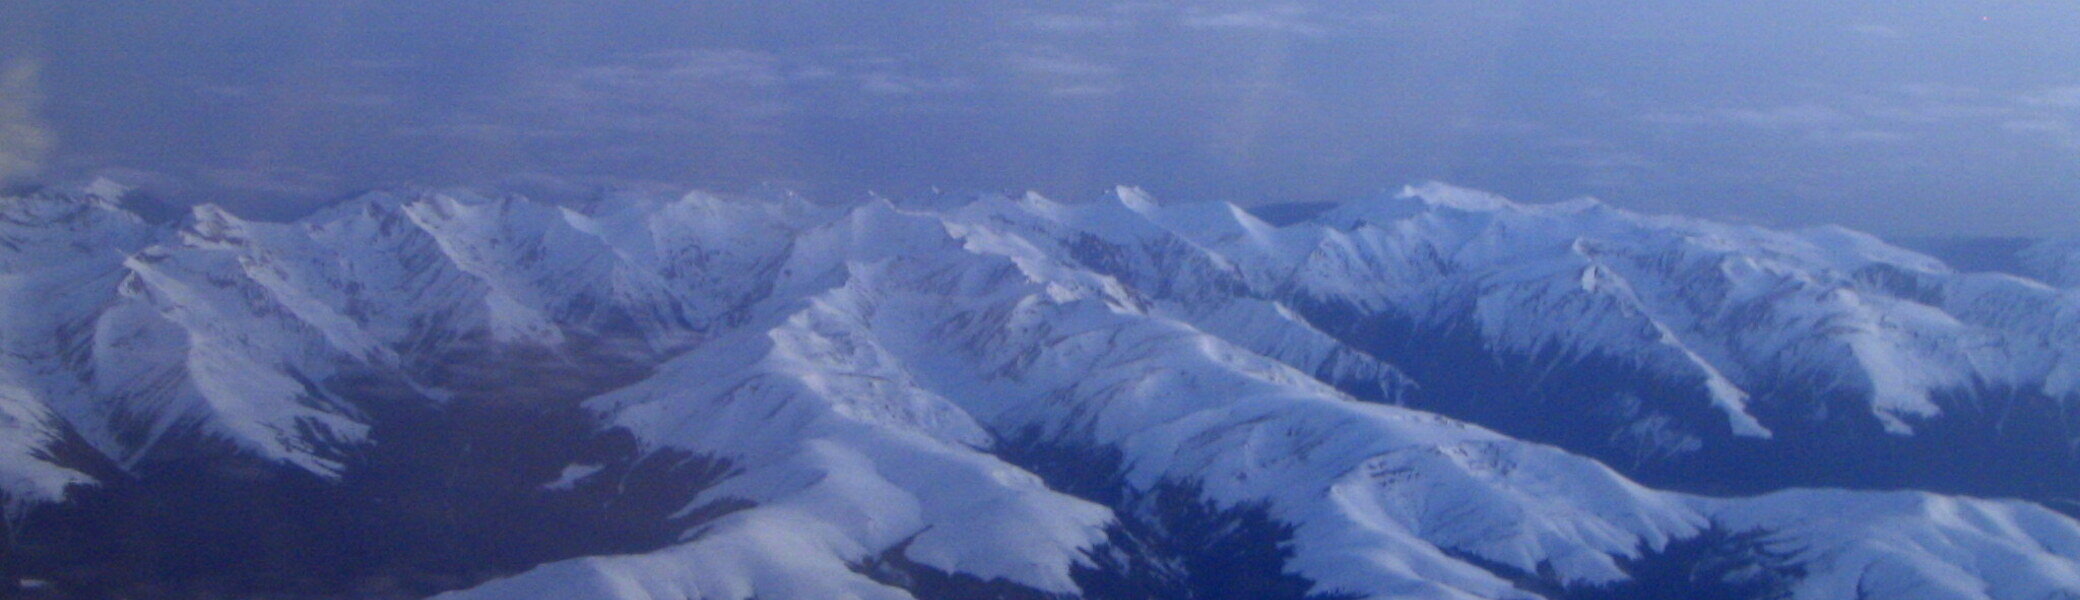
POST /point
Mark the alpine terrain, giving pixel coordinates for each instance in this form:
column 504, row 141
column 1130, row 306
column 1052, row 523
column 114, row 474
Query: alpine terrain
column 1437, row 395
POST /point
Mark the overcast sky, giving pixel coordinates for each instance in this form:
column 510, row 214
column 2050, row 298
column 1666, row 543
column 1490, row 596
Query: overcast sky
column 1895, row 116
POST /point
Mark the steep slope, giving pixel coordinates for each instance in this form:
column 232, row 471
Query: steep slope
column 943, row 341
column 714, row 397
column 1672, row 346
column 2056, row 261
column 61, row 255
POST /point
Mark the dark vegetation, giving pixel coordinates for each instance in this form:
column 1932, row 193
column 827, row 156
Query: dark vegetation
column 894, row 568
column 1663, row 431
column 1992, row 440
column 1170, row 542
column 1714, row 565
column 450, row 494
column 1973, row 254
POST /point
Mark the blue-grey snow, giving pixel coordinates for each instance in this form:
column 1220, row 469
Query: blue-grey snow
column 874, row 372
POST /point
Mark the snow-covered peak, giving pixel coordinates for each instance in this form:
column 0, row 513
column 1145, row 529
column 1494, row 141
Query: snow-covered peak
column 104, row 187
column 2056, row 261
column 1680, row 295
column 1135, row 199
column 1025, row 393
column 1011, row 331
column 65, row 209
column 1440, row 195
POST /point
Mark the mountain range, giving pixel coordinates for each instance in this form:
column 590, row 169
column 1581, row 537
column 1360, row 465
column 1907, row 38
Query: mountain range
column 1436, row 394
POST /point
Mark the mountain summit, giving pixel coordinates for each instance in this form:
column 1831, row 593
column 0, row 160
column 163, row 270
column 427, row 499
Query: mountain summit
column 1441, row 394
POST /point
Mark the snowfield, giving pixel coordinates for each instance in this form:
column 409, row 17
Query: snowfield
column 1030, row 397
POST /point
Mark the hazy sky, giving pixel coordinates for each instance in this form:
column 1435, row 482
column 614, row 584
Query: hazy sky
column 1896, row 116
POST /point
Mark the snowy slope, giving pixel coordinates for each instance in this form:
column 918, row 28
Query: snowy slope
column 1046, row 399
column 1912, row 545
column 1681, row 318
column 2056, row 261
column 61, row 255
column 1385, row 502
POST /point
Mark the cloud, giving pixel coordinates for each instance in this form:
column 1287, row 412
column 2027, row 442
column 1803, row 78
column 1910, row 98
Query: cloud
column 1504, row 126
column 1773, row 117
column 679, row 76
column 1901, row 114
column 679, row 91
column 1064, row 75
column 348, row 98
column 1596, row 163
column 1873, row 30
column 1595, row 159
column 1068, row 23
column 1052, row 63
column 894, row 82
column 1863, row 136
column 700, row 91
column 1281, row 18
column 2062, row 132
column 288, row 181
column 1291, row 19
column 25, row 140
column 2058, row 97
column 2044, row 126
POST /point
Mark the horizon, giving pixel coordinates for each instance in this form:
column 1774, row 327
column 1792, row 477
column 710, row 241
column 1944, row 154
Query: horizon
column 1902, row 119
column 1963, row 252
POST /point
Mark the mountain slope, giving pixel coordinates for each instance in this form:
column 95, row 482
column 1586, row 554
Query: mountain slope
column 713, row 397
column 1669, row 345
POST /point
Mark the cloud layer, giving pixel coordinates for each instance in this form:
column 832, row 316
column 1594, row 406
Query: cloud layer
column 25, row 139
column 1778, row 111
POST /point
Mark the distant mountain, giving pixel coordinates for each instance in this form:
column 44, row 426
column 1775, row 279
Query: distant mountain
column 1442, row 394
column 1975, row 254
column 2054, row 260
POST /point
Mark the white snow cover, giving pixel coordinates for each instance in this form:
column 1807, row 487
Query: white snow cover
column 1913, row 545
column 1730, row 307
column 859, row 367
column 60, row 258
column 2056, row 261
column 967, row 328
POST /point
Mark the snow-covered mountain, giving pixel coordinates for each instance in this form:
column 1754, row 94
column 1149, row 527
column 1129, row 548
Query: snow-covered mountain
column 1012, row 397
column 2056, row 261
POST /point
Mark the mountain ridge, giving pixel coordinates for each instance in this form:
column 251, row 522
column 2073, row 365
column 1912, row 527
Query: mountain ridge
column 860, row 395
